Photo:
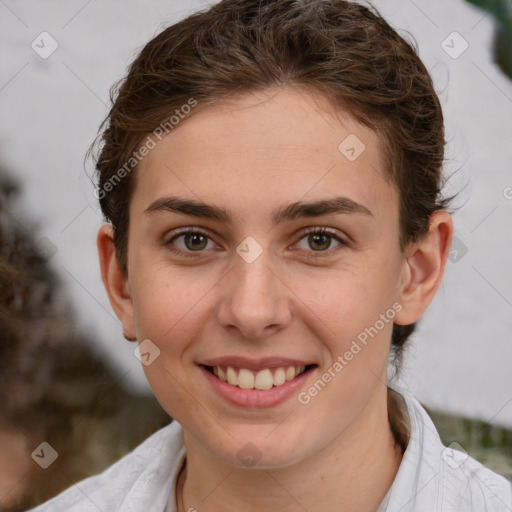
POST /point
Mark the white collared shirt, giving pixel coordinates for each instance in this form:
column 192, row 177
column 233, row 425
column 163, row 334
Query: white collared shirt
column 431, row 477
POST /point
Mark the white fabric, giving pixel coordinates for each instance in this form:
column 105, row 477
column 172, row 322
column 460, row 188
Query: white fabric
column 431, row 477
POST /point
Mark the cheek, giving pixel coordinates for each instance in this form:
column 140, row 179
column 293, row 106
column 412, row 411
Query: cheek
column 346, row 313
column 169, row 310
column 164, row 304
column 347, row 300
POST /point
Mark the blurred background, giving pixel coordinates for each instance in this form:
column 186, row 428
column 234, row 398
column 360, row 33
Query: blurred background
column 59, row 60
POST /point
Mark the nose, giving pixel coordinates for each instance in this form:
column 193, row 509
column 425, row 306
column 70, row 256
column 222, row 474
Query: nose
column 254, row 299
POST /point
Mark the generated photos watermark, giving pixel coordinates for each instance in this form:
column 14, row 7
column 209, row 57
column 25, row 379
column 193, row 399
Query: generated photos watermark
column 158, row 133
column 341, row 361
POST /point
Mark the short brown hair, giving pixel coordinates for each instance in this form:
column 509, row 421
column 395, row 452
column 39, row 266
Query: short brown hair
column 340, row 49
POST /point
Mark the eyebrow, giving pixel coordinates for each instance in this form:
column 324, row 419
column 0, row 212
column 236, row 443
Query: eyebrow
column 293, row 211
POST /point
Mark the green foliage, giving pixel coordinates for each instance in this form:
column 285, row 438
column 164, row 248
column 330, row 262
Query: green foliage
column 501, row 10
column 489, row 444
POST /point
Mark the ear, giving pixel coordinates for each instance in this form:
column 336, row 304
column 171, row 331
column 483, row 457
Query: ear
column 424, row 268
column 115, row 282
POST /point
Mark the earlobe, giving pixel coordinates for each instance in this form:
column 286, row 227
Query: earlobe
column 115, row 282
column 424, row 268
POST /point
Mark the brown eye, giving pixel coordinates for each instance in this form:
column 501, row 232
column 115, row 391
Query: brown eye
column 318, row 240
column 195, row 241
column 189, row 241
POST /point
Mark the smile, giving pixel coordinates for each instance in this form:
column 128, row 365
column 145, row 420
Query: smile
column 257, row 383
column 262, row 380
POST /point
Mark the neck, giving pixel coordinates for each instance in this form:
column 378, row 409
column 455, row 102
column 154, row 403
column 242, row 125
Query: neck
column 353, row 473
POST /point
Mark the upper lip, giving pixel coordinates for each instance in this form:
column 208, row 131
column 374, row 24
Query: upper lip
column 254, row 364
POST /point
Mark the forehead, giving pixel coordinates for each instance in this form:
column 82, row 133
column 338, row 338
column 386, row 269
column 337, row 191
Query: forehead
column 258, row 150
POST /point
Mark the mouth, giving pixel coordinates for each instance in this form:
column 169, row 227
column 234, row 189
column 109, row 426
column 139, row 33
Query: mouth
column 263, row 379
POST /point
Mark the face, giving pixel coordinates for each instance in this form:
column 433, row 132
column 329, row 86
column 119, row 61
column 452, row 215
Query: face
column 248, row 282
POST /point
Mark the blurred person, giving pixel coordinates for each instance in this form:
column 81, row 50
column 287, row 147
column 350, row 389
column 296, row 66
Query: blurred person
column 54, row 388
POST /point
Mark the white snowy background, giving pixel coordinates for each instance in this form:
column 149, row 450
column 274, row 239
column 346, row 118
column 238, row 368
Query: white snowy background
column 461, row 358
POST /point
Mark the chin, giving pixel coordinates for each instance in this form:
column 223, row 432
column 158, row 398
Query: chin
column 262, row 452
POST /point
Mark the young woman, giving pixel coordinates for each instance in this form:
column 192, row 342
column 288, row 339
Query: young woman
column 271, row 174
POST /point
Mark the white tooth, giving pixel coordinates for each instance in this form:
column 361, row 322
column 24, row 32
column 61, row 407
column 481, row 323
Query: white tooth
column 231, row 376
column 245, row 379
column 279, row 377
column 264, row 380
column 300, row 369
column 290, row 373
column 215, row 372
column 221, row 374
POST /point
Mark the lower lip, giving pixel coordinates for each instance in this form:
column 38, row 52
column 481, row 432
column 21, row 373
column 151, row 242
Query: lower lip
column 257, row 398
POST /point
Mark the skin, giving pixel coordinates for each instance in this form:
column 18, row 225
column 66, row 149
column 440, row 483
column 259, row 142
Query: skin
column 251, row 155
column 15, row 465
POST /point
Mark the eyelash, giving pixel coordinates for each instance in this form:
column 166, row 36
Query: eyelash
column 308, row 231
